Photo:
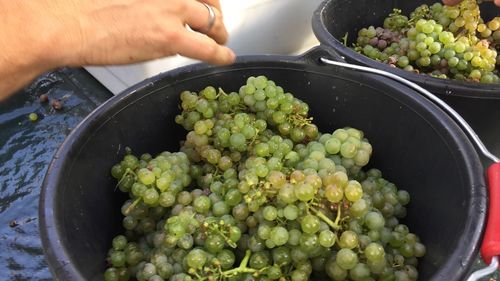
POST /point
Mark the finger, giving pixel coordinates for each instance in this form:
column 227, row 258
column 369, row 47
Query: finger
column 451, row 2
column 198, row 17
column 198, row 46
column 497, row 2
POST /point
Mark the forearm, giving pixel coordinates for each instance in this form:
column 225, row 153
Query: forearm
column 24, row 45
column 13, row 78
column 17, row 66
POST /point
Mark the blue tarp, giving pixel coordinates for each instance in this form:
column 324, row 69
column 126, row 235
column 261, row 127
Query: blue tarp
column 26, row 149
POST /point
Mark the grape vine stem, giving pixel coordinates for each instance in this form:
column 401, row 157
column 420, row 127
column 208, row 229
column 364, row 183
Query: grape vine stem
column 238, row 270
column 328, row 221
column 132, row 206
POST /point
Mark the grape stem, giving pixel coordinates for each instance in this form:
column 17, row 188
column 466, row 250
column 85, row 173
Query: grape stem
column 322, row 216
column 339, row 213
column 242, row 268
column 299, row 120
column 128, row 171
column 344, row 39
column 215, row 228
column 221, row 92
column 132, row 206
column 254, row 137
column 197, row 275
column 238, row 270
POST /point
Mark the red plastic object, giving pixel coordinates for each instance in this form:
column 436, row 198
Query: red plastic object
column 491, row 241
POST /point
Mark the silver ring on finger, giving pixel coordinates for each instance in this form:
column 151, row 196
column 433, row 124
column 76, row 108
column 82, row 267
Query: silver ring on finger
column 211, row 19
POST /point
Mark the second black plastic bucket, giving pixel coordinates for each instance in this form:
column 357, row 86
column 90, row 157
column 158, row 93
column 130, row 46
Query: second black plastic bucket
column 478, row 103
column 416, row 145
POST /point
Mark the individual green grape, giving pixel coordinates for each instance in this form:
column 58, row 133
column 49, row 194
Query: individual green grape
column 374, row 220
column 214, row 243
column 359, row 272
column 237, row 141
column 233, row 197
column 150, row 196
column 166, row 199
column 202, row 204
column 309, row 243
column 134, row 257
column 348, row 149
column 332, row 146
column 119, row 242
column 220, row 208
column 348, row 240
column 270, row 213
column 374, row 252
column 304, row 192
column 310, row 224
column 291, row 212
column 334, row 271
column 118, row 258
column 327, row 238
column 334, row 193
column 185, row 242
column 279, row 235
column 353, row 191
column 196, row 258
column 111, row 274
column 264, row 231
column 347, row 259
column 419, row 250
column 259, row 260
column 146, row 176
column 359, row 208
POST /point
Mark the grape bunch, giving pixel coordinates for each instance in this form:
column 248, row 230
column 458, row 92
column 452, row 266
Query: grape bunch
column 256, row 192
column 442, row 41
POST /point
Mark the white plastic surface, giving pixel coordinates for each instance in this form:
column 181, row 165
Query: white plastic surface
column 254, row 26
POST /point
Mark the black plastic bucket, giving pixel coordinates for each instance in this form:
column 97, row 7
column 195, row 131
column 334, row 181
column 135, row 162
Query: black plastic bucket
column 416, row 145
column 478, row 103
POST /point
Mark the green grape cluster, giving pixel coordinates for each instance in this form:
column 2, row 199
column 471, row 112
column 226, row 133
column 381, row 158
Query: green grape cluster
column 346, row 147
column 249, row 198
column 441, row 41
column 152, row 181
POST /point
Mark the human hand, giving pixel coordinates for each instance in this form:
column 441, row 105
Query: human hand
column 127, row 31
column 455, row 2
column 40, row 35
